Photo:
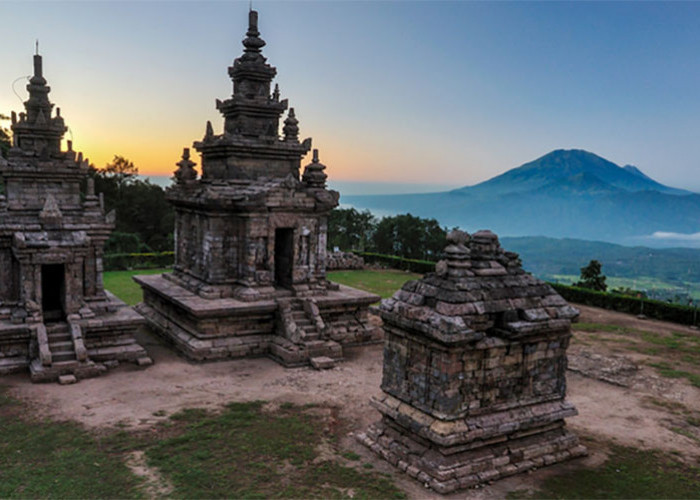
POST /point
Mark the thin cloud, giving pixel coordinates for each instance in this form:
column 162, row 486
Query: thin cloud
column 663, row 235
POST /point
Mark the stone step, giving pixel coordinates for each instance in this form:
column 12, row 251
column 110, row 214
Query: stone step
column 67, row 379
column 57, row 328
column 62, row 356
column 322, row 362
column 41, row 373
column 63, row 345
column 316, row 348
column 59, row 336
column 302, row 322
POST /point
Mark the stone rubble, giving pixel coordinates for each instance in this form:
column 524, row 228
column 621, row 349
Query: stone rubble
column 474, row 371
column 341, row 261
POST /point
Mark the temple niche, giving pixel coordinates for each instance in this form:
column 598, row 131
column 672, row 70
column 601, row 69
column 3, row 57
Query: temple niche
column 55, row 316
column 474, row 375
column 250, row 238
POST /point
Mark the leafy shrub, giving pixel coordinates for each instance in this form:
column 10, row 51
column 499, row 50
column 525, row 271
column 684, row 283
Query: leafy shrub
column 656, row 309
column 125, row 261
column 413, row 265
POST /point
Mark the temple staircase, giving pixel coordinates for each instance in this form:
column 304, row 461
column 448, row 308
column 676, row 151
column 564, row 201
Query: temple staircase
column 305, row 336
column 62, row 356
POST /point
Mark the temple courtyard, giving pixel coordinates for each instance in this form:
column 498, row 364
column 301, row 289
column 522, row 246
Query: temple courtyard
column 630, row 410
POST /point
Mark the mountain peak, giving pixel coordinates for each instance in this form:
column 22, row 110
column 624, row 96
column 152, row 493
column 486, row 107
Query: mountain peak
column 634, row 170
column 560, row 166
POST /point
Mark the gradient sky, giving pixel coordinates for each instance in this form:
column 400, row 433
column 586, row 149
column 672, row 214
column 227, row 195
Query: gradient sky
column 423, row 92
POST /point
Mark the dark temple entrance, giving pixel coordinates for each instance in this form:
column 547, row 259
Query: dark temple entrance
column 53, row 291
column 284, row 255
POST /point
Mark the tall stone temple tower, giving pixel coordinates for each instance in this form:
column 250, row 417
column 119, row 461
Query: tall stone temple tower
column 55, row 316
column 250, row 238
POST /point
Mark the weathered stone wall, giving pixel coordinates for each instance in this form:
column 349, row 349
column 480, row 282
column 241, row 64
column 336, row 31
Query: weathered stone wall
column 492, row 375
column 344, row 260
column 31, row 196
column 14, row 346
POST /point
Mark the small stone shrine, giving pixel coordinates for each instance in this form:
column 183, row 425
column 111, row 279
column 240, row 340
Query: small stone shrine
column 55, row 316
column 474, row 371
column 250, row 239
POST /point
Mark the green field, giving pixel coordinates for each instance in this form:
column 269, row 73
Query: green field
column 646, row 283
column 384, row 283
column 121, row 284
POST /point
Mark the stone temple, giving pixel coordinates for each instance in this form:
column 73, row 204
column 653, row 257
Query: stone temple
column 474, row 371
column 250, row 239
column 55, row 316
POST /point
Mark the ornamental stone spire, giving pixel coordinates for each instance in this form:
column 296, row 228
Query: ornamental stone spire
column 52, row 237
column 314, row 175
column 37, row 130
column 252, row 122
column 291, row 127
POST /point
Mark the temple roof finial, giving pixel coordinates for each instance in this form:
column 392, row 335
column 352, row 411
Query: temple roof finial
column 253, row 42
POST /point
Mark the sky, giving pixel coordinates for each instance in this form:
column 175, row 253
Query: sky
column 431, row 93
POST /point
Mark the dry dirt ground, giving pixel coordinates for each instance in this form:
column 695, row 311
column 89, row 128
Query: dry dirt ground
column 619, row 398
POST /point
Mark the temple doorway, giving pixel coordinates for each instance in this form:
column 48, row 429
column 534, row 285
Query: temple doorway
column 284, row 256
column 53, row 291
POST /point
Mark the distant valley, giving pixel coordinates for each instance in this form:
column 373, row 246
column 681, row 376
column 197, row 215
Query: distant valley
column 662, row 272
column 564, row 194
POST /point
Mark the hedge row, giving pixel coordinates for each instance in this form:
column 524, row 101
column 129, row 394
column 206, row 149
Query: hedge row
column 656, row 309
column 413, row 265
column 124, row 261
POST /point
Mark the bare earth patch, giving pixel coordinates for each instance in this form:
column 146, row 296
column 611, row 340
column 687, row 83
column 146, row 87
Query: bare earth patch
column 155, row 486
column 625, row 400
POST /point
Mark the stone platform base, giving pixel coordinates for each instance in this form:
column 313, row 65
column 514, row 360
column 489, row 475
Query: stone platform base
column 447, row 473
column 53, row 373
column 208, row 329
column 83, row 346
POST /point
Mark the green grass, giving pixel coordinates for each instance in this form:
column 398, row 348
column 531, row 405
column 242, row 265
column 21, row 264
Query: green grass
column 44, row 459
column 245, row 452
column 240, row 452
column 600, row 327
column 382, row 282
column 627, row 473
column 666, row 370
column 121, row 284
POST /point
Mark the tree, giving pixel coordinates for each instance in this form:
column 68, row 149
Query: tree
column 592, row 278
column 409, row 236
column 121, row 171
column 349, row 229
column 5, row 141
column 141, row 207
